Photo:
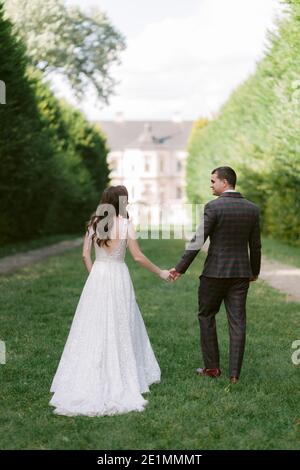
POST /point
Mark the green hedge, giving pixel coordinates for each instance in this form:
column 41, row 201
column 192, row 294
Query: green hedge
column 25, row 149
column 52, row 160
column 257, row 132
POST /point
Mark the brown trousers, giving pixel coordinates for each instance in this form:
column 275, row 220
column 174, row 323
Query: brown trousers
column 211, row 293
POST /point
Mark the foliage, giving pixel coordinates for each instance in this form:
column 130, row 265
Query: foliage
column 256, row 132
column 89, row 143
column 81, row 47
column 25, row 149
column 53, row 161
column 80, row 162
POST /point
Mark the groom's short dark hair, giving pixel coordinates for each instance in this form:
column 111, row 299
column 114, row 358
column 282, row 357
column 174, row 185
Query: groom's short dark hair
column 226, row 173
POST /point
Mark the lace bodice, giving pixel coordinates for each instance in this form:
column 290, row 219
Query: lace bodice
column 119, row 251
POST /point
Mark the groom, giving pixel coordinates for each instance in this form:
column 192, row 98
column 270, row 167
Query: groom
column 232, row 224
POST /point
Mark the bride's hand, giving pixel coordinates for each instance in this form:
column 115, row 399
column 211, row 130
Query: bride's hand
column 165, row 275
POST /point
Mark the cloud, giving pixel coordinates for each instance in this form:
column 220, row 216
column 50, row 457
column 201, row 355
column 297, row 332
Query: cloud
column 190, row 64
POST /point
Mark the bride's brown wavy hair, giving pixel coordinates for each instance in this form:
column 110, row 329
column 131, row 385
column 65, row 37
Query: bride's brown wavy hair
column 113, row 197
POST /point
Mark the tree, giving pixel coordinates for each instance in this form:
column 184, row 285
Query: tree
column 257, row 132
column 81, row 171
column 51, row 175
column 25, row 149
column 89, row 144
column 81, row 47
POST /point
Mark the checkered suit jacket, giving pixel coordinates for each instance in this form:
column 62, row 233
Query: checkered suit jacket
column 232, row 224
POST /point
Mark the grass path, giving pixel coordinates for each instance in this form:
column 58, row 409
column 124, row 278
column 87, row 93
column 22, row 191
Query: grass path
column 22, row 247
column 184, row 411
column 13, row 262
column 278, row 251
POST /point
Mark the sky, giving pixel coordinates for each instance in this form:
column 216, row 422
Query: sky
column 183, row 56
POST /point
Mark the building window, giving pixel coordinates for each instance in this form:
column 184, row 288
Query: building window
column 132, row 193
column 179, row 166
column 147, row 190
column 147, row 164
column 178, row 192
column 161, row 165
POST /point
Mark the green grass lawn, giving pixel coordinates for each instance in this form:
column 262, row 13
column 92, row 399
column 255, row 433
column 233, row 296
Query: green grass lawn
column 184, row 411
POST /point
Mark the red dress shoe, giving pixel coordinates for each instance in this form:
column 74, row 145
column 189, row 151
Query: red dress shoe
column 234, row 380
column 214, row 373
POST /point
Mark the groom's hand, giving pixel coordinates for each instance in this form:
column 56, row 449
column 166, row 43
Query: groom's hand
column 253, row 278
column 174, row 274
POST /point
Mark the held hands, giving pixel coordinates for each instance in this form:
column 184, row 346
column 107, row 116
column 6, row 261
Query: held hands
column 165, row 275
column 174, row 274
column 170, row 276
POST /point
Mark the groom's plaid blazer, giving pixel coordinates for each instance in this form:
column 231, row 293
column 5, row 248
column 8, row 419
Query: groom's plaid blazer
column 232, row 224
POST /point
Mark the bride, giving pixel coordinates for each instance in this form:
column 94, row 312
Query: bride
column 107, row 362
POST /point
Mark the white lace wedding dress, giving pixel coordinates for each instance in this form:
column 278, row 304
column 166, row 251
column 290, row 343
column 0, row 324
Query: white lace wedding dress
column 107, row 362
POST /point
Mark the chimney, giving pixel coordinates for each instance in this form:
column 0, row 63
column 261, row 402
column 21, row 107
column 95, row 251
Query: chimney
column 146, row 135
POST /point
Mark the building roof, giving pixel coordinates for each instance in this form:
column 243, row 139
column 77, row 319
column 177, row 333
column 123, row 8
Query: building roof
column 148, row 135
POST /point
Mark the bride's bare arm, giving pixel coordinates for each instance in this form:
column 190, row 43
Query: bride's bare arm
column 86, row 252
column 140, row 258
